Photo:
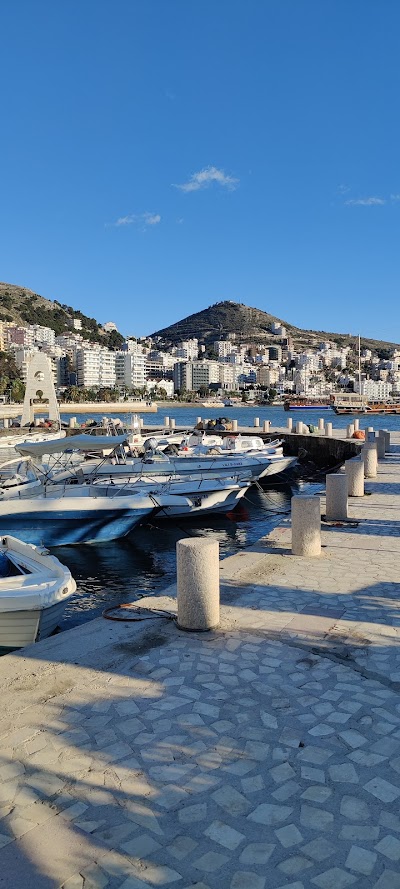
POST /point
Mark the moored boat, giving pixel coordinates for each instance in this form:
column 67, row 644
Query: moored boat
column 34, row 589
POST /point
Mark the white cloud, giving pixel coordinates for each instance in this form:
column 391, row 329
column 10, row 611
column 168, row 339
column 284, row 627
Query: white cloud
column 151, row 218
column 143, row 219
column 365, row 202
column 395, row 197
column 124, row 220
column 205, row 178
column 343, row 189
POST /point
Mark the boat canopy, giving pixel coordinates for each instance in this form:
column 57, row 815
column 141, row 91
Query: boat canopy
column 71, row 443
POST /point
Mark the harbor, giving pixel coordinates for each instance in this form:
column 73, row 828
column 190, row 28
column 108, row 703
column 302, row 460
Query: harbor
column 263, row 753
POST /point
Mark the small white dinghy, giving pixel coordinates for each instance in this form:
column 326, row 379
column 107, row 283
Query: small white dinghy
column 34, row 589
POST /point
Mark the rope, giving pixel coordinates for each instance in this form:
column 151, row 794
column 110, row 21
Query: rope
column 141, row 613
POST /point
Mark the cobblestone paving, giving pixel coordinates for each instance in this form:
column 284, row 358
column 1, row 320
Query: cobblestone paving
column 263, row 755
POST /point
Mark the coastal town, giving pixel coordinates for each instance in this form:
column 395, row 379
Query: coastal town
column 267, row 368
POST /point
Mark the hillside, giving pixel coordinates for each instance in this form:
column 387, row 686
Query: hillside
column 23, row 306
column 250, row 324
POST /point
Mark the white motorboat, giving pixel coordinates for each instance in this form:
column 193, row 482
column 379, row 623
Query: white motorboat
column 12, row 440
column 62, row 515
column 34, row 589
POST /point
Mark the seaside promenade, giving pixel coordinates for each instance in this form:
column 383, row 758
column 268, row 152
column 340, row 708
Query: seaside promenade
column 262, row 755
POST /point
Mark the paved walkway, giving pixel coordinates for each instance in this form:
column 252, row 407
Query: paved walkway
column 263, row 755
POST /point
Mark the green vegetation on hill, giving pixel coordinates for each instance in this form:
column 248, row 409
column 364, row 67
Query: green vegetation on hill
column 22, row 306
column 254, row 325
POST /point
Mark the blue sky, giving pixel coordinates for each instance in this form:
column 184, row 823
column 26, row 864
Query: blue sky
column 162, row 155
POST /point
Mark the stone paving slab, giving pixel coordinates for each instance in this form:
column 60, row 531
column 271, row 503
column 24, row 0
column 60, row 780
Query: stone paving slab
column 263, row 755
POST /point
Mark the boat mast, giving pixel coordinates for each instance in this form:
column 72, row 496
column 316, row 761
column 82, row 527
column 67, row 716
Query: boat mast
column 359, row 367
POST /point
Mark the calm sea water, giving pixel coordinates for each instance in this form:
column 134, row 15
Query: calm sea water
column 187, row 416
column 144, row 562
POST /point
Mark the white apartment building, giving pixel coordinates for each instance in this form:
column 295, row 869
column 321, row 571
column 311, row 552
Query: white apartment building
column 19, row 336
column 192, row 375
column 95, row 367
column 166, row 385
column 267, row 376
column 222, row 348
column 130, row 369
column 188, row 349
column 43, row 334
column 374, row 389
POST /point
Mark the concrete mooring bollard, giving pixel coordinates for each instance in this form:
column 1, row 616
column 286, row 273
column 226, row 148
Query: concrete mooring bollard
column 306, row 526
column 6, row 423
column 256, row 422
column 289, row 424
column 321, row 424
column 328, row 430
column 72, row 423
column 172, row 423
column 299, row 427
column 369, row 456
column 336, row 496
column 266, row 426
column 198, row 421
column 387, row 440
column 166, row 422
column 370, row 434
column 197, row 560
column 356, row 424
column 234, row 425
column 355, row 477
column 350, row 430
column 381, row 443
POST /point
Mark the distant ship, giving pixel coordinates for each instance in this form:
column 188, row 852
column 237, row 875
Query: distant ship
column 352, row 403
column 300, row 402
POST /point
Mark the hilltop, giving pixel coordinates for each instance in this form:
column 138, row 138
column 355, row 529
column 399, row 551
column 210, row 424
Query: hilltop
column 23, row 306
column 252, row 324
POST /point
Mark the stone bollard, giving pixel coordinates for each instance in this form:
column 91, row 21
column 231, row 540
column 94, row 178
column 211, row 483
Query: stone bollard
column 166, row 422
column 299, row 428
column 234, row 425
column 328, row 430
column 336, row 496
column 266, row 426
column 6, row 423
column 198, row 421
column 381, row 444
column 172, row 423
column 369, row 456
column 197, row 561
column 256, row 422
column 387, row 440
column 321, row 425
column 356, row 425
column 306, row 526
column 289, row 424
column 350, row 430
column 355, row 477
column 370, row 436
column 37, row 421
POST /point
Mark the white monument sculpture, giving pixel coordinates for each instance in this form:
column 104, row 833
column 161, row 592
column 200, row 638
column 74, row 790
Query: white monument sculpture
column 40, row 390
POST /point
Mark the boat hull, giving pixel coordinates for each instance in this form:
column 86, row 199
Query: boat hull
column 61, row 528
column 20, row 628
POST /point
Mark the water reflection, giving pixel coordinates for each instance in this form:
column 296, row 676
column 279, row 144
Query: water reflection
column 145, row 561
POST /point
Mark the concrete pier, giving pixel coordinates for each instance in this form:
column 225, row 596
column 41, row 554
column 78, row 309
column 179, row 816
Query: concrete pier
column 262, row 754
column 336, row 497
